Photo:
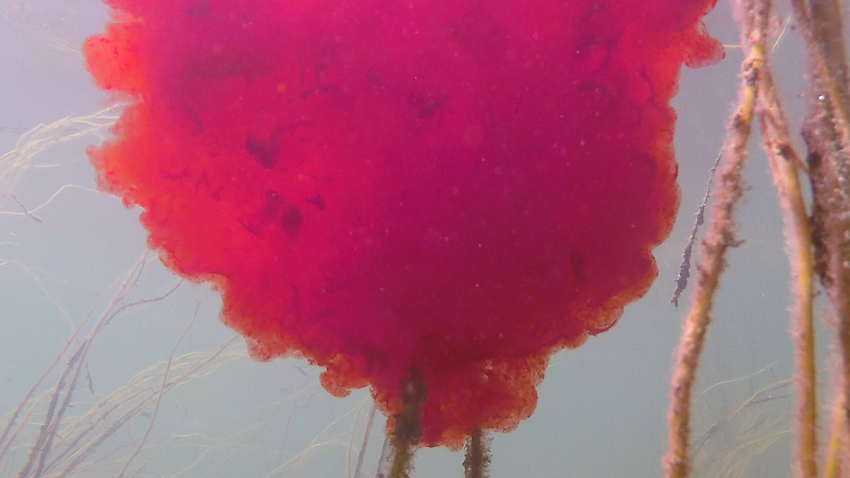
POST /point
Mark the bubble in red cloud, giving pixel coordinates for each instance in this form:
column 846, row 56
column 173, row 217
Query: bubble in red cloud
column 448, row 188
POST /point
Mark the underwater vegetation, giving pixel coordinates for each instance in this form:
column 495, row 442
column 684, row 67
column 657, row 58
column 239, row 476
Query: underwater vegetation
column 403, row 221
column 817, row 235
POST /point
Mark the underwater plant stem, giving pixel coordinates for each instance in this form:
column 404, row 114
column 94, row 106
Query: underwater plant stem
column 822, row 29
column 832, row 247
column 361, row 455
column 44, row 440
column 833, row 451
column 162, row 388
column 402, row 457
column 124, row 404
column 477, row 461
column 785, row 164
column 719, row 238
column 407, row 429
column 827, row 135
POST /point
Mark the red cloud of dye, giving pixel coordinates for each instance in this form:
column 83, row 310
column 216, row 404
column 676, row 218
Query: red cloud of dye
column 452, row 187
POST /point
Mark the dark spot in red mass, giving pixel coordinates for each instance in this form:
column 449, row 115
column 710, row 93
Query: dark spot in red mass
column 317, row 201
column 425, row 104
column 386, row 188
column 291, row 220
column 263, row 151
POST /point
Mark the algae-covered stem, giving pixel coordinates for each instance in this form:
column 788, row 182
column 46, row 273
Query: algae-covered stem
column 477, row 460
column 827, row 135
column 407, row 429
column 719, row 238
column 785, row 165
column 397, row 460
